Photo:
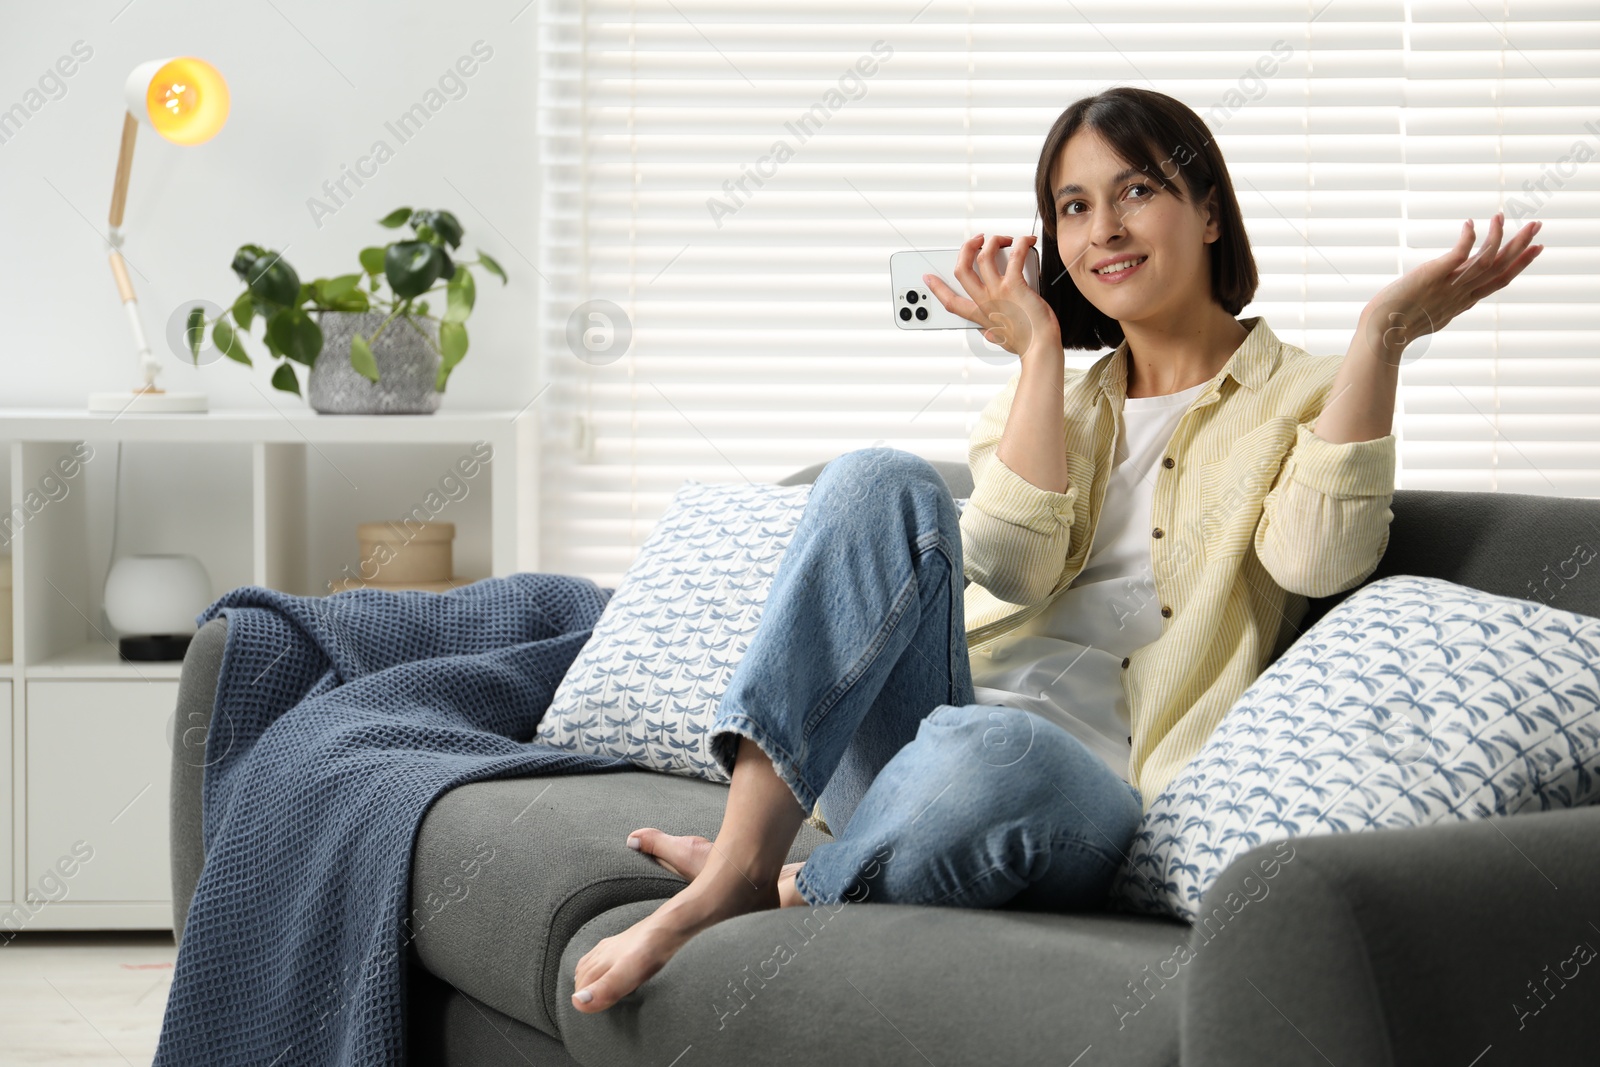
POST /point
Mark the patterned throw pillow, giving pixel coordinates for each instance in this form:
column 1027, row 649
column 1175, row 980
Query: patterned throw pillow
column 1413, row 701
column 647, row 684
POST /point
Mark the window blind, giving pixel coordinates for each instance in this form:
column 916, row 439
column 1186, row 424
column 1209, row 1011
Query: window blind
column 722, row 184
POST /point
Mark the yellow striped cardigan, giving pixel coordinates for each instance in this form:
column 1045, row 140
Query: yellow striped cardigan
column 1251, row 514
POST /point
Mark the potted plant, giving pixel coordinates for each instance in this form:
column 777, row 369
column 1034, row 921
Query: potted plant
column 392, row 355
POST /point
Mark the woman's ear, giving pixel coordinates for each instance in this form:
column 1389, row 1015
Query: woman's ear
column 1213, row 217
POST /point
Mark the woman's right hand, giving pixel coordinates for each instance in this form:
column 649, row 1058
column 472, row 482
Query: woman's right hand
column 1013, row 316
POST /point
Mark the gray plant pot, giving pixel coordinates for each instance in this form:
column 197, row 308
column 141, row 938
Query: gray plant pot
column 407, row 367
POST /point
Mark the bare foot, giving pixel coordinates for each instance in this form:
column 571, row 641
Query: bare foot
column 619, row 964
column 685, row 856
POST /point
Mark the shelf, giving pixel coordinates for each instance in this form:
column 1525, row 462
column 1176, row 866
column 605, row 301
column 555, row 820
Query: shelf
column 99, row 659
column 271, row 497
column 250, row 425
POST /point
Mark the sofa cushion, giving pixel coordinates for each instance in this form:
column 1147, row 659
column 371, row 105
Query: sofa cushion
column 1414, row 701
column 504, row 872
column 893, row 984
column 647, row 684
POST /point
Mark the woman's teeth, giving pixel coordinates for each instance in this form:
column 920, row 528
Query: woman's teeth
column 1126, row 264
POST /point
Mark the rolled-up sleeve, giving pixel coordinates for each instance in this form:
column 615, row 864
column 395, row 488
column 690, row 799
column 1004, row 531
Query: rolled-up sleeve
column 1325, row 523
column 1014, row 534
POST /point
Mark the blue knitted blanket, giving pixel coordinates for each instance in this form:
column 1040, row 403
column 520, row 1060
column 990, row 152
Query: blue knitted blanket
column 338, row 721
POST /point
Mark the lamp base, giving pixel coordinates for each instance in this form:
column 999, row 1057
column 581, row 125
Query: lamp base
column 153, row 648
column 148, row 401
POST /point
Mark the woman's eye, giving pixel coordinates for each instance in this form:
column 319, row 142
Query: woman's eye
column 1138, row 185
column 1068, row 209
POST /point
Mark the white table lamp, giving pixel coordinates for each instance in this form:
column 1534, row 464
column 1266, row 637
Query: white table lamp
column 185, row 100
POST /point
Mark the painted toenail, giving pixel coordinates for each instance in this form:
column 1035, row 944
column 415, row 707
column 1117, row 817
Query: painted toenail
column 633, row 842
column 585, row 996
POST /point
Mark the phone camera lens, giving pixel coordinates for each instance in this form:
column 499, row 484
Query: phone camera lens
column 922, row 313
column 911, row 297
column 905, row 314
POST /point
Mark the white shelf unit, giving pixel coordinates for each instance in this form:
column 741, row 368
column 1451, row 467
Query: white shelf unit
column 264, row 497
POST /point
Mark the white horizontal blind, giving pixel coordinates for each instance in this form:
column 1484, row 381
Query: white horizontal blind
column 754, row 277
column 1503, row 111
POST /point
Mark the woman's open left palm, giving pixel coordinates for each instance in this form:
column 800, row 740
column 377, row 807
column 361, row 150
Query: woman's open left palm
column 1427, row 297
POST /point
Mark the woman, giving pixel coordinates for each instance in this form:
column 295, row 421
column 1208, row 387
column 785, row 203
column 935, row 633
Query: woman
column 1126, row 588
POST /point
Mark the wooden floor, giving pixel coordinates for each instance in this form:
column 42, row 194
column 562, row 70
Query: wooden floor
column 83, row 999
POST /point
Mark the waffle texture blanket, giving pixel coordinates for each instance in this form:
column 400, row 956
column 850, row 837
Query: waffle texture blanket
column 338, row 721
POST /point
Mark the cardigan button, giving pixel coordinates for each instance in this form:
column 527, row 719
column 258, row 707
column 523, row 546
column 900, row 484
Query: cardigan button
column 1156, row 532
column 1167, row 463
column 1124, row 662
column 1166, row 613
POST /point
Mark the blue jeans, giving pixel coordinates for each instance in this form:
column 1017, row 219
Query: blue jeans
column 857, row 685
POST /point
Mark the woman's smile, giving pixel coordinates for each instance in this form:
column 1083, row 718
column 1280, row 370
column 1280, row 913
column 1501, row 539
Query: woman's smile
column 1117, row 273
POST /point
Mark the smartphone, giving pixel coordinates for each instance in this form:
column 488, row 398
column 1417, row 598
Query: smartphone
column 915, row 308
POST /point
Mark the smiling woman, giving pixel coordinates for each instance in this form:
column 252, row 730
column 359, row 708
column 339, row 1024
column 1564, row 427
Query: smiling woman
column 1235, row 501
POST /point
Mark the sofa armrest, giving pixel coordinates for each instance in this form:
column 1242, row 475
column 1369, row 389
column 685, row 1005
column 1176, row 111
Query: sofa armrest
column 197, row 696
column 1417, row 945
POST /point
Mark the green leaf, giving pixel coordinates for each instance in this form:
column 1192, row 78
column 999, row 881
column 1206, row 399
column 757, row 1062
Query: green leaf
column 356, row 301
column 283, row 378
column 194, row 331
column 340, row 294
column 244, row 310
column 295, row 334
column 453, row 343
column 273, row 348
column 273, row 282
column 425, row 233
column 441, row 223
column 396, row 218
column 491, row 266
column 411, row 267
column 229, row 343
column 331, row 289
column 372, row 260
column 244, row 257
column 462, row 292
column 422, row 307
column 361, row 358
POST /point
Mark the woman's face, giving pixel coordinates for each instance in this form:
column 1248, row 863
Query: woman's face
column 1106, row 209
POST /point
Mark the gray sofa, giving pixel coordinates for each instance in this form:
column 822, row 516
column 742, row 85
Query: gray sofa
column 1417, row 946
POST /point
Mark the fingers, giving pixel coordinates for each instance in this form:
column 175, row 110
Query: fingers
column 1494, row 266
column 950, row 300
column 964, row 272
column 1018, row 254
column 988, row 263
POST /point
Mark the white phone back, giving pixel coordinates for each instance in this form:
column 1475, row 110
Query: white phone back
column 910, row 294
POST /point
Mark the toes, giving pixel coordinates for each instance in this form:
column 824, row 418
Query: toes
column 610, row 986
column 637, row 838
column 651, row 842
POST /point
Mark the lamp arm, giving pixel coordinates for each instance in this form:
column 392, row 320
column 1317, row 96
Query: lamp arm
column 149, row 366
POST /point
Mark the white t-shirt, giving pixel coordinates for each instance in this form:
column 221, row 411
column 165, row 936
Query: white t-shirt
column 1065, row 663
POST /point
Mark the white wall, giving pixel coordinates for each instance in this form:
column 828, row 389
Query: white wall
column 313, row 86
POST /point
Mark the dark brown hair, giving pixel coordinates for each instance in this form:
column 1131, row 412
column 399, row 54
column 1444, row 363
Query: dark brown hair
column 1161, row 137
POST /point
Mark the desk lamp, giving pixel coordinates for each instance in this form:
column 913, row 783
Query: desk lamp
column 185, row 100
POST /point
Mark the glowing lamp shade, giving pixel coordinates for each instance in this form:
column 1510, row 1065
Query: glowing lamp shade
column 184, row 99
